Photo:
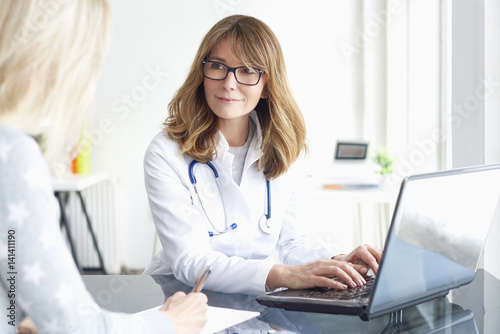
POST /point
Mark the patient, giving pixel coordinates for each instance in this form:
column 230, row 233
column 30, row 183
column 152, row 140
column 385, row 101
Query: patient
column 50, row 53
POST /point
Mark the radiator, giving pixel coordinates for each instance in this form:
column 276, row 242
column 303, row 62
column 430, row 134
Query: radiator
column 100, row 200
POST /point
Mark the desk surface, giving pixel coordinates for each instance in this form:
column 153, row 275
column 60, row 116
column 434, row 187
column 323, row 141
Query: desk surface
column 475, row 305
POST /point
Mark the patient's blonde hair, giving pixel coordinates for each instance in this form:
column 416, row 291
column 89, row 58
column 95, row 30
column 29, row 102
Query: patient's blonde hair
column 50, row 56
column 193, row 125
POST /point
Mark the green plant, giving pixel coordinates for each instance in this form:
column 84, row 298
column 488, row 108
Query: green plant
column 384, row 160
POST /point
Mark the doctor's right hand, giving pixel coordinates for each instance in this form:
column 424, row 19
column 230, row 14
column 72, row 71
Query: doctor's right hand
column 187, row 312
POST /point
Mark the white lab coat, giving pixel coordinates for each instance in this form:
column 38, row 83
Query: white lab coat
column 240, row 259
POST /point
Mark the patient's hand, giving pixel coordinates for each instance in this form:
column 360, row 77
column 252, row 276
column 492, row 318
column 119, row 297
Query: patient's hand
column 187, row 312
column 27, row 326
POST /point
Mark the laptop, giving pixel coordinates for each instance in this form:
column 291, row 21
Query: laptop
column 434, row 244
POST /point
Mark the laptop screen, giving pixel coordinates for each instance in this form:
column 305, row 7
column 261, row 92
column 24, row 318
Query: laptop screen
column 437, row 235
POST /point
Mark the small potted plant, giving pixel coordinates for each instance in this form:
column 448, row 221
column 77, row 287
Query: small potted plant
column 386, row 165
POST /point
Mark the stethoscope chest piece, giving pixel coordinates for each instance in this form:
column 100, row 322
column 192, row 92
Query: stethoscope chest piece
column 266, row 225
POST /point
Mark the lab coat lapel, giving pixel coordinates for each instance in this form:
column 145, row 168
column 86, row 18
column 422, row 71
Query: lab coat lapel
column 254, row 151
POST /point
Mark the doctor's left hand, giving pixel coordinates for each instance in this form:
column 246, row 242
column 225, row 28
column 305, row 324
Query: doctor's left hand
column 315, row 274
column 363, row 258
column 348, row 269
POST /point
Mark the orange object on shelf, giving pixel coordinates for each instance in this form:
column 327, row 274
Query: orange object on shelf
column 332, row 186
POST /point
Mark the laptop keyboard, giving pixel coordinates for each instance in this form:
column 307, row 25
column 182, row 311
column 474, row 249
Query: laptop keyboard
column 359, row 292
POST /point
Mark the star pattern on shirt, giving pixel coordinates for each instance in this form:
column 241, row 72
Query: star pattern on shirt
column 116, row 320
column 33, row 273
column 53, row 207
column 85, row 306
column 65, row 294
column 4, row 150
column 27, row 303
column 35, row 178
column 48, row 238
column 17, row 213
column 51, row 326
column 62, row 304
column 139, row 324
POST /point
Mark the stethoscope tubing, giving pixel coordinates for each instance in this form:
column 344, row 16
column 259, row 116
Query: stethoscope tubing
column 192, row 178
column 191, row 172
column 268, row 190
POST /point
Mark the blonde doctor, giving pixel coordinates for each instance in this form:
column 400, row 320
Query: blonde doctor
column 216, row 175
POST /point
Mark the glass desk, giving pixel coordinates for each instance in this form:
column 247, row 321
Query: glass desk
column 474, row 308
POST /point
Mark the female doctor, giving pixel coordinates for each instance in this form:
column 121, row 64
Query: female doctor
column 216, row 175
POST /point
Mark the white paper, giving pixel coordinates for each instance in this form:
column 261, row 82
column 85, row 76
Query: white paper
column 219, row 318
column 222, row 318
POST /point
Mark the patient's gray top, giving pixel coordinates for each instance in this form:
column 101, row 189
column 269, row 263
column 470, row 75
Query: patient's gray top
column 38, row 275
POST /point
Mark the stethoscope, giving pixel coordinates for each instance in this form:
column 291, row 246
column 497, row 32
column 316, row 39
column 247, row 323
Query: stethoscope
column 264, row 221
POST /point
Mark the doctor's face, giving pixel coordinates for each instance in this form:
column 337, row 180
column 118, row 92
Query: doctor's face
column 229, row 99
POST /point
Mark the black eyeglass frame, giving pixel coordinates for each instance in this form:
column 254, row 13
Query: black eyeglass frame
column 231, row 69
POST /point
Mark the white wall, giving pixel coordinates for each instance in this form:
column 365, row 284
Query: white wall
column 152, row 48
column 414, row 132
column 476, row 97
column 492, row 117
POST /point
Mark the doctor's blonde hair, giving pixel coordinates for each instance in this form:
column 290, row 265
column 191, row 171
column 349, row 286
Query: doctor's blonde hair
column 50, row 56
column 193, row 125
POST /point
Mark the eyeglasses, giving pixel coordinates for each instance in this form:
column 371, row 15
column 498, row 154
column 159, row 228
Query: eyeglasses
column 215, row 70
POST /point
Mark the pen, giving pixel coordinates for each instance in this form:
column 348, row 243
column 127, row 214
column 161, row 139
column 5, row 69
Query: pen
column 201, row 279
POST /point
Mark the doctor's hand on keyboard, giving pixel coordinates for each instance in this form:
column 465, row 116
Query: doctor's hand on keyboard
column 360, row 292
column 363, row 258
column 349, row 269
